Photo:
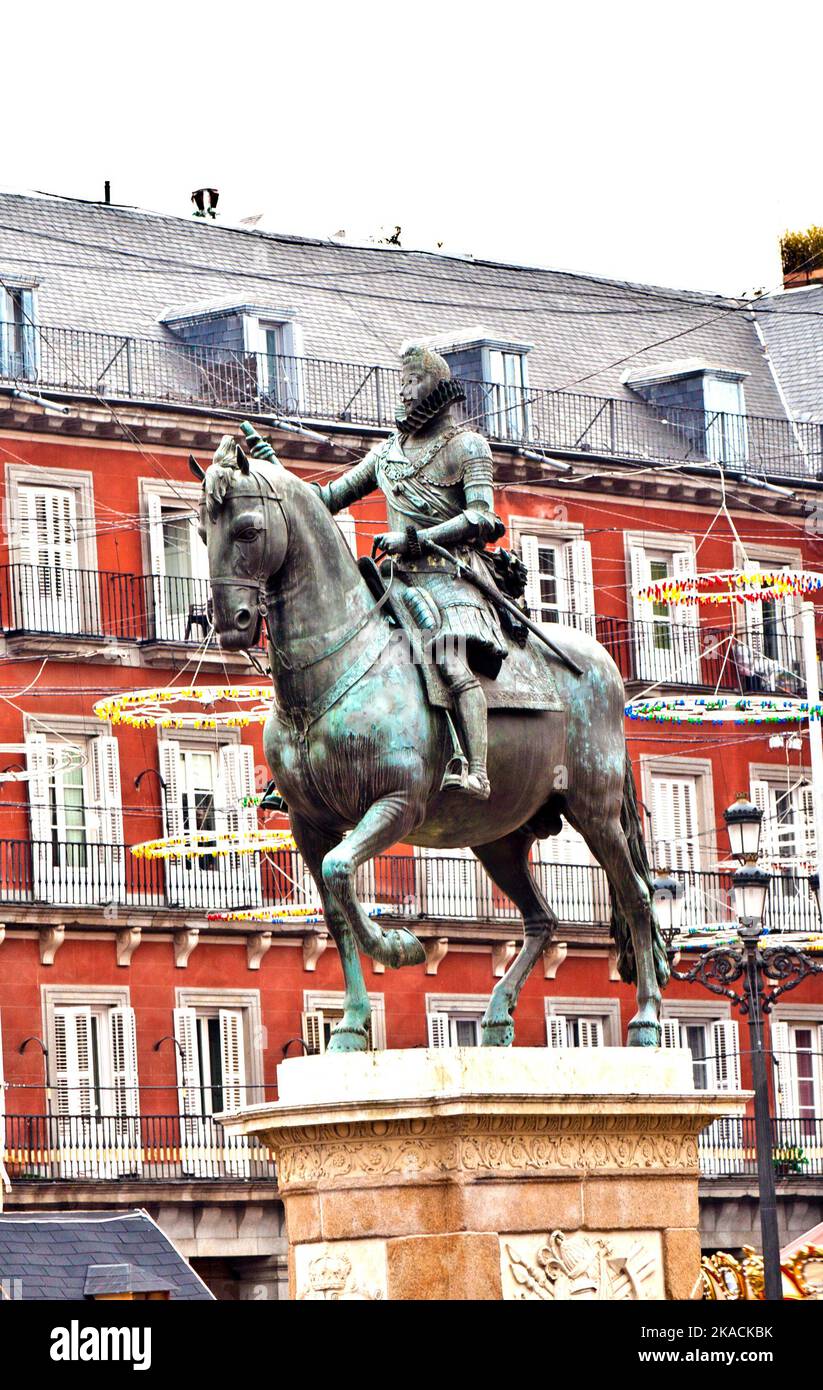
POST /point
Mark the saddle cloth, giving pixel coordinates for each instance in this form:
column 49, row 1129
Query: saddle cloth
column 524, row 682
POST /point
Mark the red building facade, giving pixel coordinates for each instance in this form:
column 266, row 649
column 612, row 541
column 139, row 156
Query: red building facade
column 128, row 1018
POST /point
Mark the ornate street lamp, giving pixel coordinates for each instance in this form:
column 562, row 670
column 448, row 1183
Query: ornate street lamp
column 744, row 822
column 668, row 904
column 765, row 975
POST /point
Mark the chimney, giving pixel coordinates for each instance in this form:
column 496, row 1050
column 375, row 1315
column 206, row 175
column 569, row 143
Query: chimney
column 205, row 202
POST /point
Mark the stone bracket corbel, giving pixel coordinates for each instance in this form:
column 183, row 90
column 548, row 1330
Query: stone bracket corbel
column 503, row 953
column 553, row 958
column 51, row 939
column 185, row 941
column 314, row 944
column 126, row 944
column 256, row 947
column 2, row 932
column 436, row 952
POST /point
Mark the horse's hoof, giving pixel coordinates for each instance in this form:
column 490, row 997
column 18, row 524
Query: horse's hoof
column 645, row 1035
column 348, row 1040
column 403, row 949
column 498, row 1034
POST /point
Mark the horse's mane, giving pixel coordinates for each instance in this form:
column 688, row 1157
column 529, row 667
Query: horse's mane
column 223, row 472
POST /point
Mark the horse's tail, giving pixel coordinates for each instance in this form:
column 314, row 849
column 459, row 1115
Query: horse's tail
column 620, row 930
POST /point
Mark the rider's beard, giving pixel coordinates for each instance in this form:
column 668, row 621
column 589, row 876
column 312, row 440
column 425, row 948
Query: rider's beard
column 432, row 406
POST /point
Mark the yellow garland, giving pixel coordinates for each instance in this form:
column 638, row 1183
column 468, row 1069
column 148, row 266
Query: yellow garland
column 206, row 842
column 136, row 708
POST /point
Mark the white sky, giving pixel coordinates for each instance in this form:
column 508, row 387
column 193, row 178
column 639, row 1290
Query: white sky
column 664, row 142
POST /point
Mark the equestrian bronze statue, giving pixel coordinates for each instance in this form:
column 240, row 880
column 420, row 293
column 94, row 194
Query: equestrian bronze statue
column 416, row 702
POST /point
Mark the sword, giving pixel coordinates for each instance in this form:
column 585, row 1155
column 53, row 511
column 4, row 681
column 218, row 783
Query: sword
column 499, row 601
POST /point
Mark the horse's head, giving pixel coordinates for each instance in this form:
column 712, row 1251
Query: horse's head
column 244, row 528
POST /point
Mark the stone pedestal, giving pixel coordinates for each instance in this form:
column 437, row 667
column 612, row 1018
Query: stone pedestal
column 473, row 1173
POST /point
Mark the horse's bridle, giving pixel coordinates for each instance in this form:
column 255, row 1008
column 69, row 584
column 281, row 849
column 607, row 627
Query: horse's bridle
column 259, row 583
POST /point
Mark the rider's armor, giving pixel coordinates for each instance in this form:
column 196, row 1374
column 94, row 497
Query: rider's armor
column 447, row 485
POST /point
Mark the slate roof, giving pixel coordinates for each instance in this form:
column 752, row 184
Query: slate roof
column 792, row 324
column 58, row 1255
column 124, row 270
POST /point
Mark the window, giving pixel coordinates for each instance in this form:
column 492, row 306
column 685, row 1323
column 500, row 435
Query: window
column 76, row 816
column 323, row 1010
column 678, row 800
column 279, row 363
column 455, row 1020
column 726, row 431
column 508, row 413
column 46, row 582
column 18, row 334
column 666, row 637
column 559, row 587
column 797, row 1048
column 454, row 884
column 213, row 1067
column 714, row 1044
column 788, row 815
column 179, row 569
column 93, row 1073
column 769, row 650
column 204, row 788
column 49, row 515
column 582, row 1023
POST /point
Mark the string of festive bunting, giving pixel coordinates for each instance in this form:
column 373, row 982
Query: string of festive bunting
column 727, row 586
column 143, row 709
column 722, row 709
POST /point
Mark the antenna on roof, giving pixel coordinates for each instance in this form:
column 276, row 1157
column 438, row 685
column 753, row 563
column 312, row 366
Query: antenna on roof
column 205, row 202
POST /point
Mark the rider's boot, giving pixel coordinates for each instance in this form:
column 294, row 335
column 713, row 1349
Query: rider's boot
column 472, row 714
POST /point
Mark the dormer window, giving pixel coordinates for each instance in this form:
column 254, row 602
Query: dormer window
column 496, row 375
column 703, row 402
column 279, row 362
column 256, row 349
column 18, row 338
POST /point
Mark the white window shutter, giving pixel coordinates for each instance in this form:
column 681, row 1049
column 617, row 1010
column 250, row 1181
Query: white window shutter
column 38, row 778
column 438, row 1029
column 580, row 583
column 753, row 611
column 5, row 332
column 725, row 1046
column 346, row 524
column 312, row 1027
column 188, row 1061
column 232, row 1049
column 157, row 552
column 590, row 1032
column 126, row 1103
column 639, row 577
column 73, row 1065
column 557, row 1033
column 785, row 1070
column 671, row 1035
column 240, row 872
column 123, row 1040
column 168, row 750
column 530, row 556
column 762, row 794
column 806, row 838
column 108, row 806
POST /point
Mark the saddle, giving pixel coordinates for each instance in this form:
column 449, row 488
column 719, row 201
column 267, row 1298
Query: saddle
column 524, row 682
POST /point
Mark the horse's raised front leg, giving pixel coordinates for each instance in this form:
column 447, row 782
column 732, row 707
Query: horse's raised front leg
column 351, row 1033
column 506, row 861
column 386, row 822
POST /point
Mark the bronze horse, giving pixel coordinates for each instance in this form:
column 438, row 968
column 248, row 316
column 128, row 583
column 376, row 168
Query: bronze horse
column 358, row 752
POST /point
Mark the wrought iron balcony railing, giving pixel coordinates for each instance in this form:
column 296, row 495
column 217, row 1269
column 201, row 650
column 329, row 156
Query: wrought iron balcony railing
column 727, row 1148
column 45, row 1147
column 758, row 660
column 58, row 601
column 145, row 369
column 155, row 1148
column 441, row 888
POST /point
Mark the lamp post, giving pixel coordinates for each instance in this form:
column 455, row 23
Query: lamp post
column 765, row 975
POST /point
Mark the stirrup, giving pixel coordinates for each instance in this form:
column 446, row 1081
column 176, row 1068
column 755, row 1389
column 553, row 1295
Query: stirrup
column 456, row 773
